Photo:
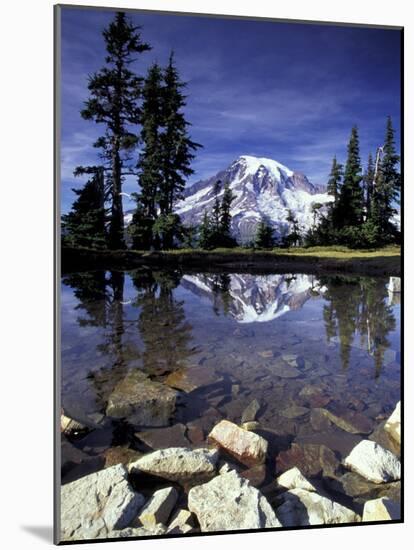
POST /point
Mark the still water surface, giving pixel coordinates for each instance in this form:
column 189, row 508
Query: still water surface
column 294, row 342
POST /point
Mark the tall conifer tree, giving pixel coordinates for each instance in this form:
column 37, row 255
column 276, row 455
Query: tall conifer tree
column 113, row 102
column 177, row 147
column 350, row 202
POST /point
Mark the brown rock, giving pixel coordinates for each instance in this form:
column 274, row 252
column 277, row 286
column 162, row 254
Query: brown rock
column 256, row 475
column 195, row 433
column 162, row 438
column 142, row 401
column 351, row 421
column 189, row 379
column 384, row 438
column 120, row 455
column 247, row 447
column 312, row 460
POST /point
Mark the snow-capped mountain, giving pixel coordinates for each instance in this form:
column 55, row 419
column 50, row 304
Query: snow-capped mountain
column 263, row 189
column 256, row 298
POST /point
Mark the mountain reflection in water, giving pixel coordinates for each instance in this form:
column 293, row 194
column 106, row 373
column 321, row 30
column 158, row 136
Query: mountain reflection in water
column 239, row 337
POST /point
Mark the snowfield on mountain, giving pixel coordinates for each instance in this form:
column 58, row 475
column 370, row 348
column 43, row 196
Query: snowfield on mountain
column 263, row 189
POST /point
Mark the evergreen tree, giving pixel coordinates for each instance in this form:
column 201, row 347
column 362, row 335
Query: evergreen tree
column 369, row 185
column 205, row 234
column 84, row 225
column 386, row 186
column 176, row 146
column 225, row 216
column 350, row 201
column 294, row 237
column 225, row 238
column 113, row 102
column 150, row 160
column 335, row 178
column 264, row 235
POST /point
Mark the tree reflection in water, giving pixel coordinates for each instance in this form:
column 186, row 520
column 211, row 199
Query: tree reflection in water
column 163, row 328
column 359, row 306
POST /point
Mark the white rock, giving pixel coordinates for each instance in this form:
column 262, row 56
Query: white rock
column 302, row 507
column 182, row 517
column 159, row 507
column 293, row 479
column 96, row 504
column 381, row 509
column 373, row 462
column 229, row 502
column 247, row 447
column 178, row 464
column 137, row 532
column 393, row 424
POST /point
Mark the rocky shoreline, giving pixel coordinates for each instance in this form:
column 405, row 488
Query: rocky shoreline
column 220, row 486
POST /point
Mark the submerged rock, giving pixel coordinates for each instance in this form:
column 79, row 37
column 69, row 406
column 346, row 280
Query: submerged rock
column 353, row 422
column 285, row 370
column 178, row 464
column 373, row 462
column 247, row 447
column 95, row 505
column 293, row 479
column 294, row 412
column 381, row 509
column 302, row 507
column 250, row 412
column 312, row 460
column 393, row 424
column 142, row 401
column 162, row 438
column 158, row 508
column 191, row 378
column 229, row 502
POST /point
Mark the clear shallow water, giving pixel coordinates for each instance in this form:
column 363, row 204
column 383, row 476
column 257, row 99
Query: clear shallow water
column 288, row 341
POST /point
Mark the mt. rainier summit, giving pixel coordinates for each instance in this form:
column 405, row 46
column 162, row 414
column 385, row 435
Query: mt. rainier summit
column 263, row 189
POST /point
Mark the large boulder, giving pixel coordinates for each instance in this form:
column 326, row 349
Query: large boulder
column 247, row 447
column 393, row 424
column 95, row 505
column 158, row 508
column 178, row 464
column 142, row 401
column 229, row 502
column 293, row 479
column 373, row 462
column 381, row 509
column 301, row 507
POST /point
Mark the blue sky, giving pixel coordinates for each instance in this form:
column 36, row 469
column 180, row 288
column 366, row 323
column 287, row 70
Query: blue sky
column 286, row 91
